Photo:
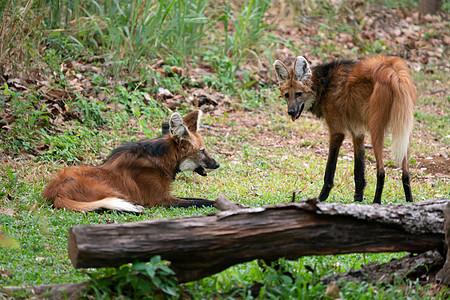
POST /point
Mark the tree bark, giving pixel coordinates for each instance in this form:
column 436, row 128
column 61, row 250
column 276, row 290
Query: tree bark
column 406, row 267
column 429, row 7
column 201, row 246
column 70, row 291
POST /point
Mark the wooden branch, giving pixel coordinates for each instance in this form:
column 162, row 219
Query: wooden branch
column 405, row 267
column 56, row 291
column 222, row 203
column 200, row 246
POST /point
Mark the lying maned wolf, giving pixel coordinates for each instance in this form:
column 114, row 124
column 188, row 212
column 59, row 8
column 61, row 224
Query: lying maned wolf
column 136, row 173
column 353, row 97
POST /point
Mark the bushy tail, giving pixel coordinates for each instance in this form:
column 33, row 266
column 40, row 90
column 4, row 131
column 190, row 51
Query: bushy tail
column 402, row 111
column 112, row 203
column 394, row 85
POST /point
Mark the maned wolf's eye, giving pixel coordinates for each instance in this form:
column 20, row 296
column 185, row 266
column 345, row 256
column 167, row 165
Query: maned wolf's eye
column 298, row 94
column 286, row 95
column 203, row 151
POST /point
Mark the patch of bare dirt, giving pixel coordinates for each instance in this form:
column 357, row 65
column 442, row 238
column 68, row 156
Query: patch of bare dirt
column 435, row 165
column 420, row 40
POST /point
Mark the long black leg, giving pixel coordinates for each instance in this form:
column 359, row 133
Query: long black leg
column 335, row 145
column 407, row 187
column 360, row 181
column 380, row 184
column 406, row 179
column 377, row 126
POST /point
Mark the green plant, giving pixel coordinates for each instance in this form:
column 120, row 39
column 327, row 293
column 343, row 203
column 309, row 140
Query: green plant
column 397, row 3
column 19, row 32
column 255, row 98
column 138, row 281
column 438, row 126
column 132, row 31
column 53, row 58
column 248, row 32
column 225, row 78
column 66, row 146
column 29, row 116
column 140, row 104
column 91, row 111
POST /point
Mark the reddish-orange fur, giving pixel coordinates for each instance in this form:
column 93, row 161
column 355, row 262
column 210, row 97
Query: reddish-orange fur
column 139, row 173
column 354, row 97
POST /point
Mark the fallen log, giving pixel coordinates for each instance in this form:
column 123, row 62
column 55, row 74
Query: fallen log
column 201, row 246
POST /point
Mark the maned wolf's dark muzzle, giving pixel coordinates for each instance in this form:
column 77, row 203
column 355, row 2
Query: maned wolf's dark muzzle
column 212, row 164
column 296, row 111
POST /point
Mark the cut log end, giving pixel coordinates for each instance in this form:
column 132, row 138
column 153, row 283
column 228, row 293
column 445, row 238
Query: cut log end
column 443, row 276
column 73, row 247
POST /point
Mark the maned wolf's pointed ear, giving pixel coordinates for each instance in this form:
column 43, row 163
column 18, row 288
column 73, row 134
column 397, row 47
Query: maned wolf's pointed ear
column 192, row 120
column 301, row 68
column 281, row 70
column 177, row 128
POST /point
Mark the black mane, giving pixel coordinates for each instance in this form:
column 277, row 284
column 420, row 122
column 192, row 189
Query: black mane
column 324, row 72
column 156, row 147
column 323, row 77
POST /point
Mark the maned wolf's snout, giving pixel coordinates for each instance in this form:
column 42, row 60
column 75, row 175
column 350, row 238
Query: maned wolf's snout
column 295, row 112
column 292, row 112
column 215, row 165
column 211, row 164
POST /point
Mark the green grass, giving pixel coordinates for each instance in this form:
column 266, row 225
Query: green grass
column 256, row 175
column 264, row 156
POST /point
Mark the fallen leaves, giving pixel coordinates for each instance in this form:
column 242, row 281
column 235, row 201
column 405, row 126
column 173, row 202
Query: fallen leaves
column 421, row 41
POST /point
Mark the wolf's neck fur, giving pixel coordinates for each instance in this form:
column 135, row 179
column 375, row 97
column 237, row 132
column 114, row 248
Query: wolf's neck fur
column 323, row 81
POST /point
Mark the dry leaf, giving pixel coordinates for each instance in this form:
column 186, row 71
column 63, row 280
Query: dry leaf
column 332, row 291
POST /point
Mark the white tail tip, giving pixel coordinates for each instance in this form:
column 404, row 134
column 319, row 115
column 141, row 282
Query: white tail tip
column 117, row 204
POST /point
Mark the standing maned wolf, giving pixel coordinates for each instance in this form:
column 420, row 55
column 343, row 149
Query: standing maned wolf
column 136, row 173
column 353, row 97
